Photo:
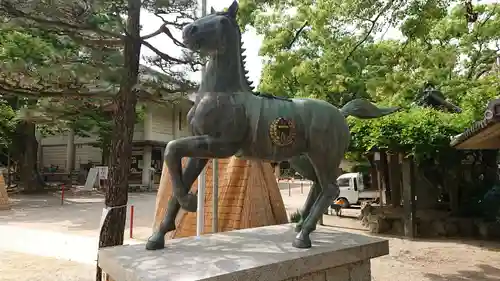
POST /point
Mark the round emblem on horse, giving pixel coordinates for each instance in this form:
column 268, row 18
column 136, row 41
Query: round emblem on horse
column 282, row 131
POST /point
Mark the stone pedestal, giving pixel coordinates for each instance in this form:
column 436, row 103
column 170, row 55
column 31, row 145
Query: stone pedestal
column 257, row 254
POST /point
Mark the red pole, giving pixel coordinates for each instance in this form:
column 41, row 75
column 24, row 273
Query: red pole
column 289, row 188
column 62, row 194
column 131, row 220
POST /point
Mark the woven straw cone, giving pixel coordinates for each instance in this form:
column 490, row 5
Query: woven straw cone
column 248, row 197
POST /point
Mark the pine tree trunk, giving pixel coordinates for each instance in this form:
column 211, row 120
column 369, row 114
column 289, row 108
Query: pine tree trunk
column 27, row 153
column 112, row 232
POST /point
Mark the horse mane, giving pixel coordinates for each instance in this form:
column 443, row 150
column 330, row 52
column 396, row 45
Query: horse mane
column 242, row 50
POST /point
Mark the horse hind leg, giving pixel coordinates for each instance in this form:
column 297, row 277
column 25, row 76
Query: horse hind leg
column 327, row 177
column 312, row 196
column 304, row 167
column 193, row 168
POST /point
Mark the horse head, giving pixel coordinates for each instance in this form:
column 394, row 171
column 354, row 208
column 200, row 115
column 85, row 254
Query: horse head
column 212, row 33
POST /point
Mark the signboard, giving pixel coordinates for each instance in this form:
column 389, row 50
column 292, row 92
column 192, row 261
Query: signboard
column 103, row 172
column 91, row 179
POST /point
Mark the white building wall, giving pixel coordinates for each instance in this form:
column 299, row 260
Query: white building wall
column 54, row 155
column 166, row 123
column 161, row 123
column 62, row 139
column 87, row 153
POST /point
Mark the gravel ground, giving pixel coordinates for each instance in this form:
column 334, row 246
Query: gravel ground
column 22, row 266
column 42, row 240
column 437, row 261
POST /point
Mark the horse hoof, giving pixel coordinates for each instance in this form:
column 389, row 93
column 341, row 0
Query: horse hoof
column 189, row 203
column 156, row 242
column 302, row 243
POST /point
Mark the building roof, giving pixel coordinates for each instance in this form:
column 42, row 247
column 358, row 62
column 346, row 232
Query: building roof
column 434, row 98
column 483, row 134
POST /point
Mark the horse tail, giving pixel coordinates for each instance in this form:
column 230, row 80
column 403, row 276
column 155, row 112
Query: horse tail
column 364, row 109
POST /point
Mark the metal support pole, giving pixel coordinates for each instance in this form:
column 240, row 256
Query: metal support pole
column 215, row 193
column 200, row 214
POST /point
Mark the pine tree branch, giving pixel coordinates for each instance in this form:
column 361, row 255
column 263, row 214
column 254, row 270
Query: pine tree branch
column 110, row 93
column 163, row 55
column 34, row 93
column 154, row 34
column 164, row 30
column 94, row 42
column 11, row 11
column 174, row 23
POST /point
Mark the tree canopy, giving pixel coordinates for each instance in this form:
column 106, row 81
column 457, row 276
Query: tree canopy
column 72, row 55
column 383, row 50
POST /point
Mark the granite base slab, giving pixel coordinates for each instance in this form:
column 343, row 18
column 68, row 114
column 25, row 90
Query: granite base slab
column 257, row 254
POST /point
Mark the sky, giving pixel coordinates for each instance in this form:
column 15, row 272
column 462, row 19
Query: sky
column 251, row 40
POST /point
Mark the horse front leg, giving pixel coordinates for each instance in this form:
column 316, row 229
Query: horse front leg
column 193, row 168
column 205, row 147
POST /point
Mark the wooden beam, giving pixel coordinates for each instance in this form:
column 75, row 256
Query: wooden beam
column 384, row 176
column 373, row 172
column 395, row 179
column 409, row 200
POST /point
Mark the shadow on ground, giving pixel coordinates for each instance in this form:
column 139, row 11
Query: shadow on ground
column 78, row 213
column 484, row 273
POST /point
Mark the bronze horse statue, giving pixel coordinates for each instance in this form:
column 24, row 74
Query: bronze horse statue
column 228, row 118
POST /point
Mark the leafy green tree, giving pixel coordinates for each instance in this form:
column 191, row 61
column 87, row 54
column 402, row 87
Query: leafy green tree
column 7, row 127
column 386, row 51
column 346, row 51
column 23, row 50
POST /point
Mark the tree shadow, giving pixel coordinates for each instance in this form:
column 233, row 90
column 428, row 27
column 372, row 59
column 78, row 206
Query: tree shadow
column 485, row 273
column 471, row 241
column 77, row 213
column 252, row 254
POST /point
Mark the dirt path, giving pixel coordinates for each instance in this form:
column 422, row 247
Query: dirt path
column 437, row 261
column 42, row 240
column 16, row 266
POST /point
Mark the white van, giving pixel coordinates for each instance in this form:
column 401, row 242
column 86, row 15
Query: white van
column 353, row 190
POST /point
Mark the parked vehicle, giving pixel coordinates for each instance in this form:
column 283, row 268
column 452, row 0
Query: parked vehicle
column 354, row 190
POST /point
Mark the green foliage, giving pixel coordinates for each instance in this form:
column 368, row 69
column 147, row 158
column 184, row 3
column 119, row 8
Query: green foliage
column 68, row 61
column 421, row 132
column 7, row 125
column 347, row 52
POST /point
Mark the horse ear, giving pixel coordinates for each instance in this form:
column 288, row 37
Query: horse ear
column 212, row 10
column 233, row 9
